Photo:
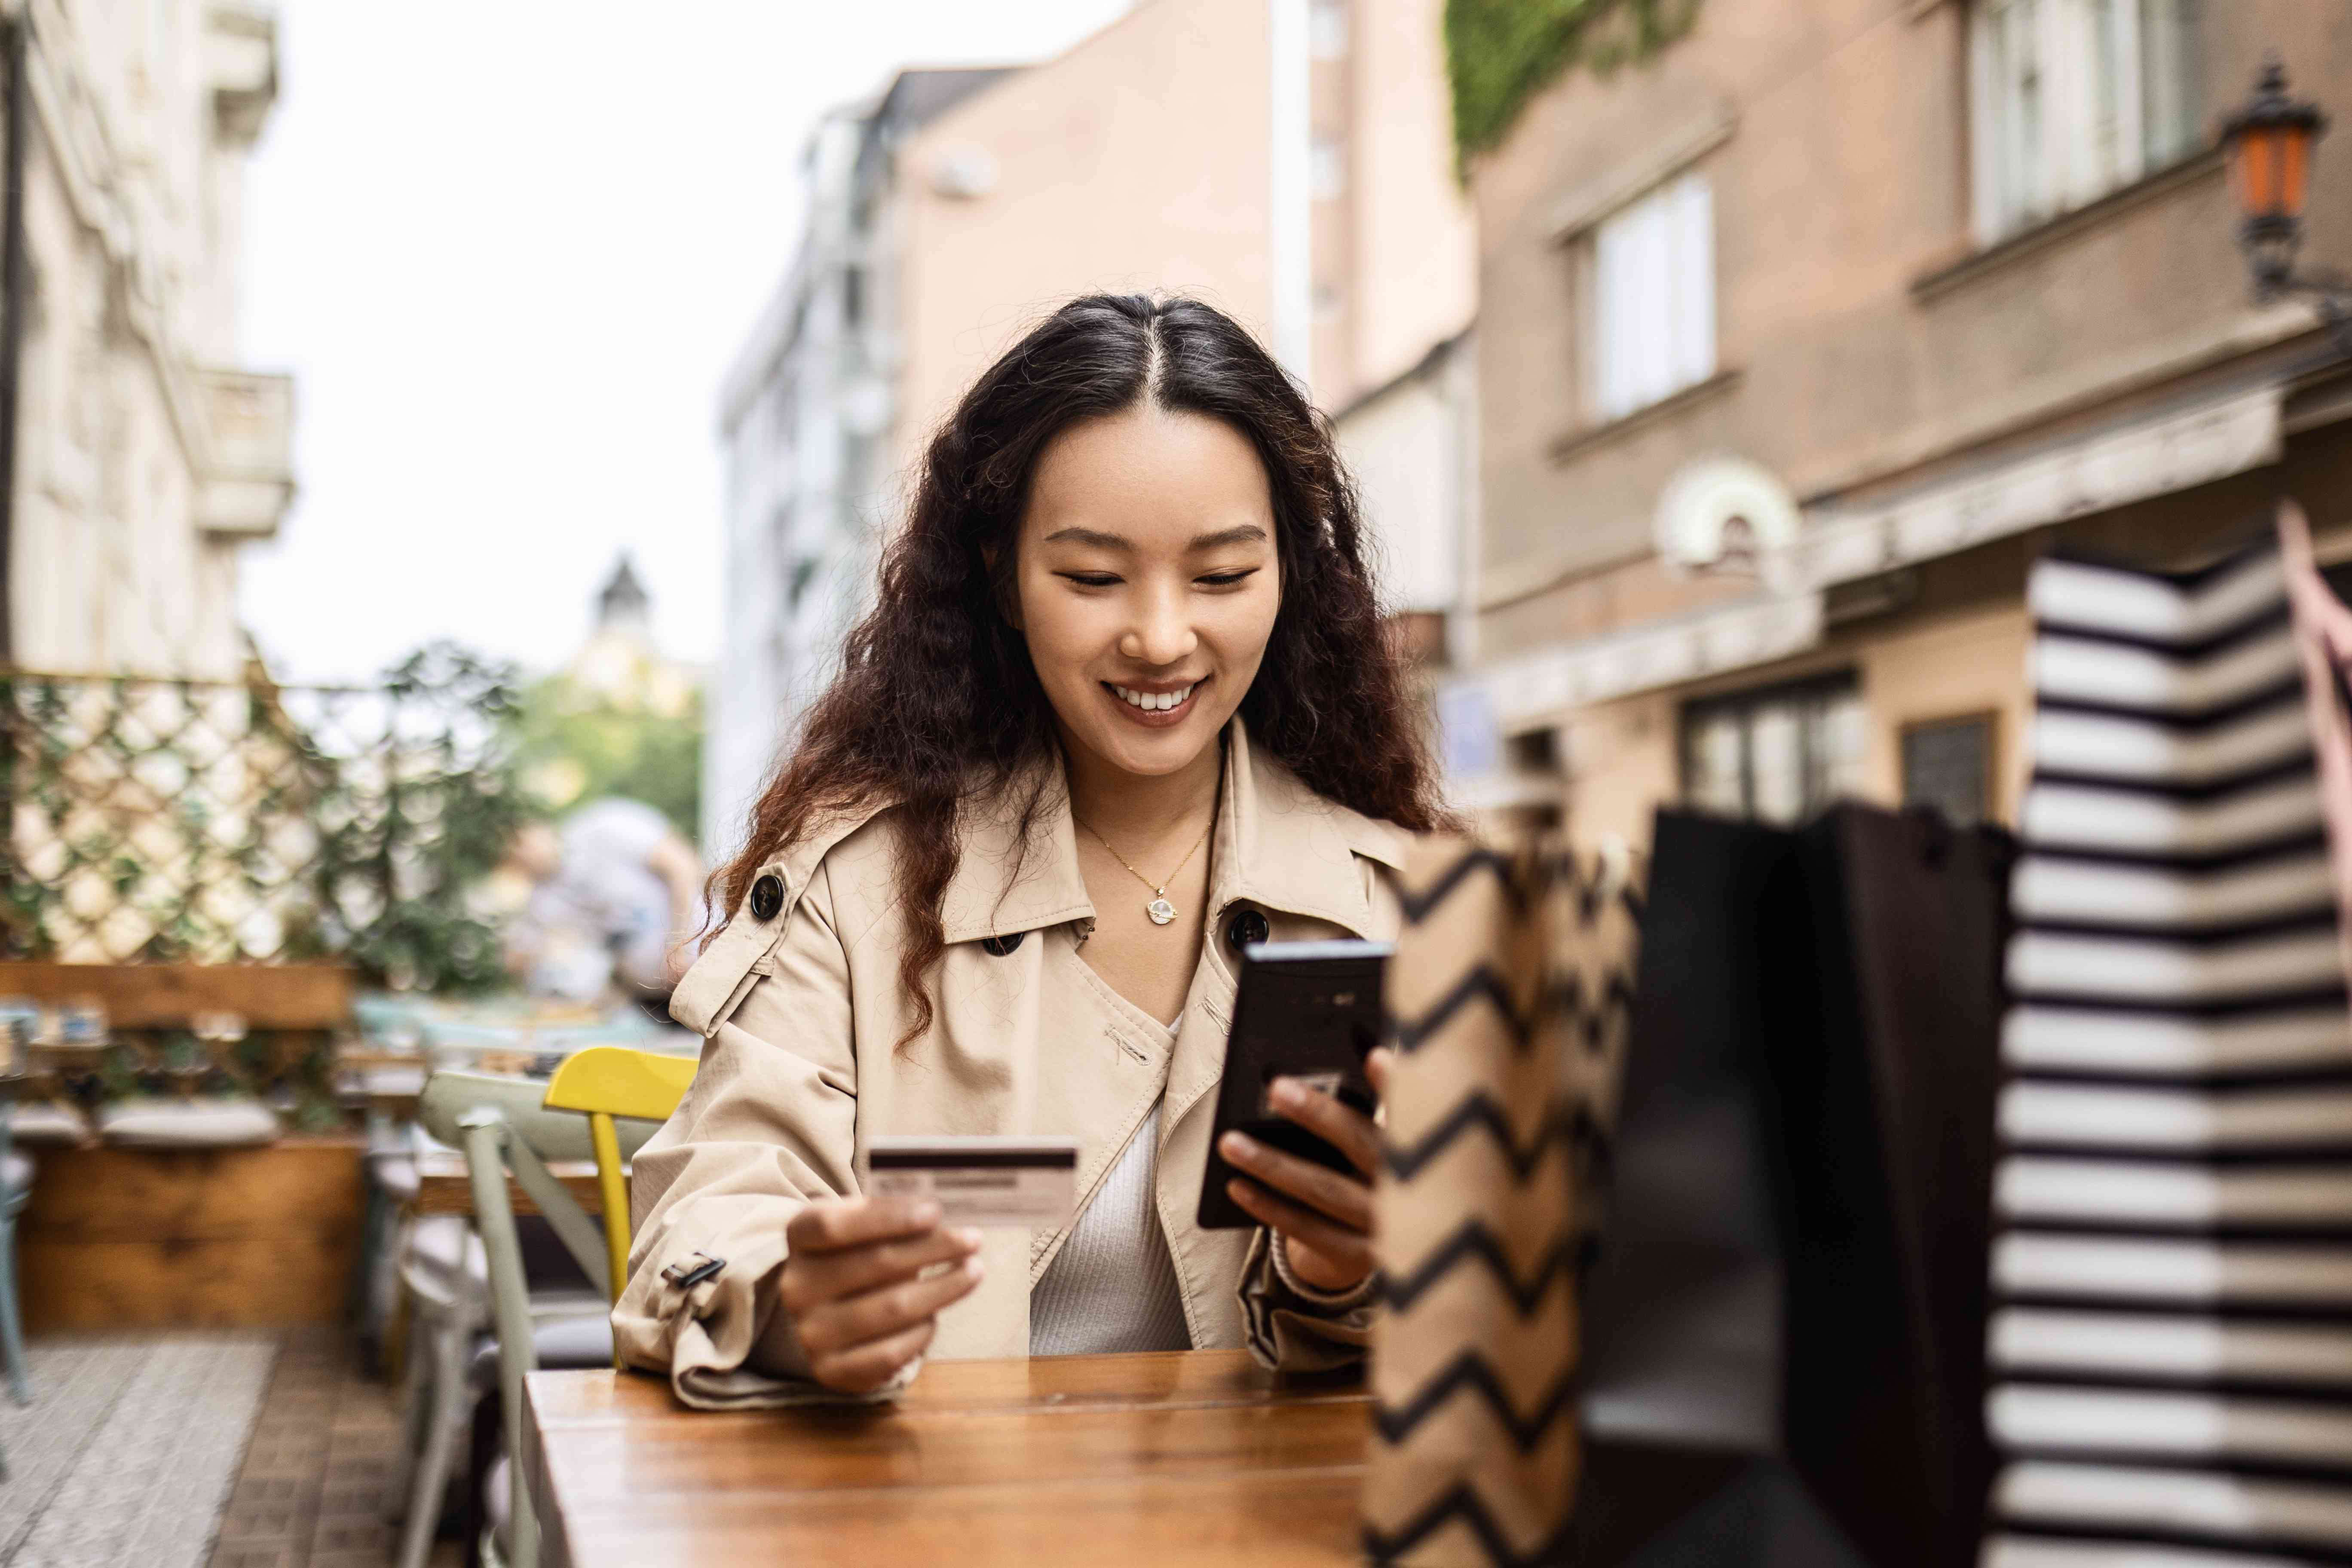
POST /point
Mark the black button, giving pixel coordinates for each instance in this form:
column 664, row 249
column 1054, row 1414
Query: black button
column 1244, row 928
column 1000, row 945
column 767, row 898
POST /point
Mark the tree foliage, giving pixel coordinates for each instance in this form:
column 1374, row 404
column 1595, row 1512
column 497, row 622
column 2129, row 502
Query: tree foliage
column 419, row 823
column 1500, row 52
column 578, row 746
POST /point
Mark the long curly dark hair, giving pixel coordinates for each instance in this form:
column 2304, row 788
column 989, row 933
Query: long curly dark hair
column 937, row 703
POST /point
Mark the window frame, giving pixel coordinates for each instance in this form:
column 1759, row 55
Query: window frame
column 2084, row 149
column 1591, row 293
column 1819, row 691
column 1989, row 789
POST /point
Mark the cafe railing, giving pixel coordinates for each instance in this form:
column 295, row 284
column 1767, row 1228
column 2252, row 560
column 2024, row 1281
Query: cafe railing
column 153, row 820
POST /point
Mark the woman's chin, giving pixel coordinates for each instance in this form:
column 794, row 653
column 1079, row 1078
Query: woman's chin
column 1150, row 753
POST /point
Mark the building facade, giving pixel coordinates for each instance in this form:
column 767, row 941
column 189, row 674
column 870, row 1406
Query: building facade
column 145, row 457
column 803, row 416
column 1824, row 322
column 1286, row 160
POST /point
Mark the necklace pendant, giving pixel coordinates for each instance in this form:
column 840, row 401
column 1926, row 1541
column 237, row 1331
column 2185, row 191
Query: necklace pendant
column 1160, row 911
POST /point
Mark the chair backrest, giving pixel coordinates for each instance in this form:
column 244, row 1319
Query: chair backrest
column 450, row 1095
column 639, row 1089
column 621, row 1082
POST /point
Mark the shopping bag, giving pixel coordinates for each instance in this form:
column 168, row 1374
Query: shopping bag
column 2172, row 1340
column 1508, row 998
column 1782, row 1336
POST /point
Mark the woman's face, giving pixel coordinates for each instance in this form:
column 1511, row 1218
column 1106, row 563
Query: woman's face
column 1147, row 583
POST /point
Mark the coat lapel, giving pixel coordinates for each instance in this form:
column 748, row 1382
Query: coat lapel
column 1015, row 875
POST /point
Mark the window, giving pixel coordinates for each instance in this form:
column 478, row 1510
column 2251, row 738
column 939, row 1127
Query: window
column 1948, row 763
column 1777, row 755
column 2075, row 97
column 1654, row 297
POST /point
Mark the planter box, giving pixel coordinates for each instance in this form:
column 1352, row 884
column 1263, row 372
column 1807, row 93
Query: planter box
column 166, row 995
column 125, row 1238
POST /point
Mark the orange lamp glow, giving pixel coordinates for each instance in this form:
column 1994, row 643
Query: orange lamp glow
column 2268, row 143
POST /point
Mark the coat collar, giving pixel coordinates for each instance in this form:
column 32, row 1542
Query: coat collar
column 1278, row 844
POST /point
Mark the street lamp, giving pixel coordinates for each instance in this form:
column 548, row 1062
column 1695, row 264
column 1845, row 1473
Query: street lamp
column 2269, row 143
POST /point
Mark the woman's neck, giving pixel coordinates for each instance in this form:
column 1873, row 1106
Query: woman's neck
column 1140, row 808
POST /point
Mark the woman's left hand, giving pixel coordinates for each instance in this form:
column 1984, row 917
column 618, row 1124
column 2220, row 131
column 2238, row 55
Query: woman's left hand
column 1321, row 1216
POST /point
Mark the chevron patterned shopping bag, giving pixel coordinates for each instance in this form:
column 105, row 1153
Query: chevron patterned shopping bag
column 1784, row 1323
column 1508, row 995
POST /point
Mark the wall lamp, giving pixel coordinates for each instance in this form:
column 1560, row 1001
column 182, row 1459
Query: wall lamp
column 2268, row 142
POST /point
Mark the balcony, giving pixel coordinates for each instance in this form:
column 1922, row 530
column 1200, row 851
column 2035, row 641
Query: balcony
column 248, row 482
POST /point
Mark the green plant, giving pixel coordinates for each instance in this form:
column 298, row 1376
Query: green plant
column 408, row 831
column 577, row 745
column 1500, row 52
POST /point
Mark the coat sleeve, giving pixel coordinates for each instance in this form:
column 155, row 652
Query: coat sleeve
column 1292, row 1327
column 769, row 1123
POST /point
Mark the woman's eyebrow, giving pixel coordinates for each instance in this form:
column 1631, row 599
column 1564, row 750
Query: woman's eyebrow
column 1242, row 533
column 1245, row 533
column 1094, row 537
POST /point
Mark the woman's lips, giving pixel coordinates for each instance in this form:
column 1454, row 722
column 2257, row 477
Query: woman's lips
column 1153, row 718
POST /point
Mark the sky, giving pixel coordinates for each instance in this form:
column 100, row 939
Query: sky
column 508, row 247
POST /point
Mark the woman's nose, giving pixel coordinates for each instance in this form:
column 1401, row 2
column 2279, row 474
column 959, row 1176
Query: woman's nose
column 1162, row 634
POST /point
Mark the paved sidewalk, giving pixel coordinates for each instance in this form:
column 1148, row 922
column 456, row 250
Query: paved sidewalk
column 312, row 1491
column 129, row 1447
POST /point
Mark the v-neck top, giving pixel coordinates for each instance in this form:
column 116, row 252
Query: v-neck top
column 1112, row 1287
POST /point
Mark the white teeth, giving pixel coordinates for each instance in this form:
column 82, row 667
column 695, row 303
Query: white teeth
column 1154, row 701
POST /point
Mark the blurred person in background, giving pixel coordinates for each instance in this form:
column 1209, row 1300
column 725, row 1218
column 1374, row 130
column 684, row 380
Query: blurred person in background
column 612, row 895
column 1125, row 704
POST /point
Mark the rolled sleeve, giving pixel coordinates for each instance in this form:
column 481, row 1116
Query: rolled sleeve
column 768, row 1124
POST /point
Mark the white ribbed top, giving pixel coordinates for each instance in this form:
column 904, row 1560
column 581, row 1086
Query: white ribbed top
column 1112, row 1287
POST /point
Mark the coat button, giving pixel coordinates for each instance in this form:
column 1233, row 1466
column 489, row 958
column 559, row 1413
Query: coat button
column 1245, row 928
column 1000, row 945
column 767, row 898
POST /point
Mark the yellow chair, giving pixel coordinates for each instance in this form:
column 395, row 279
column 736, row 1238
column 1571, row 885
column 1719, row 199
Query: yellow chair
column 604, row 1082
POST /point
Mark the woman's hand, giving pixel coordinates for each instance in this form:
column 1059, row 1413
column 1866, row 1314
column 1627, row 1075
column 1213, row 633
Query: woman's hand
column 1322, row 1217
column 864, row 1280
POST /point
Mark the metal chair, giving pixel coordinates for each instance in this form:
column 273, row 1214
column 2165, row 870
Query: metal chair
column 502, row 1125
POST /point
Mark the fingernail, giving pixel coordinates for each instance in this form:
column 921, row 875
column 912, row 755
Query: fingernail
column 972, row 1267
column 926, row 1212
column 966, row 1236
column 1239, row 1146
column 1284, row 1092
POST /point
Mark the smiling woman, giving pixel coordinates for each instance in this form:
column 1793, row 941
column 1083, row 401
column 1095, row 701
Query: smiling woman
column 1126, row 703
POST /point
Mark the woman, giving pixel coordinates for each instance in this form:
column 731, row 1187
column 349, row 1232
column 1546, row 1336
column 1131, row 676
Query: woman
column 1124, row 705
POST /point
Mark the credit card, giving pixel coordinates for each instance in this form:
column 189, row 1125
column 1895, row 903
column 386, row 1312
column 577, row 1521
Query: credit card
column 982, row 1181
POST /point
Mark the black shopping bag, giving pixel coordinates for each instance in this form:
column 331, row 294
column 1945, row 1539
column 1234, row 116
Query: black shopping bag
column 1784, row 1335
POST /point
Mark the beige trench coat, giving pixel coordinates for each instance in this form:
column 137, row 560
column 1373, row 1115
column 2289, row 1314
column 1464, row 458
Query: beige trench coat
column 802, row 1012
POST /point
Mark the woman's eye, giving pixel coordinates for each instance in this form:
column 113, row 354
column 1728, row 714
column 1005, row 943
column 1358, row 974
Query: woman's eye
column 1090, row 579
column 1225, row 579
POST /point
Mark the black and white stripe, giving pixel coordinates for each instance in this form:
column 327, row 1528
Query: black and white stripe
column 2171, row 1345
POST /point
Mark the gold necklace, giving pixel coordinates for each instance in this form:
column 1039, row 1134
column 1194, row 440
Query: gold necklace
column 1160, row 911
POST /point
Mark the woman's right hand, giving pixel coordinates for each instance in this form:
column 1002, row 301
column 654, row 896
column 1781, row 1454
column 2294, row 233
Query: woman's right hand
column 855, row 1288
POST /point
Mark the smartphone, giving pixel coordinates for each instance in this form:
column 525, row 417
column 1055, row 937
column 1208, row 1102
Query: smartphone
column 1307, row 1010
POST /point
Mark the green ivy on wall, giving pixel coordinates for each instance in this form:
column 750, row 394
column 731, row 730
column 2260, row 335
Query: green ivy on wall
column 1500, row 52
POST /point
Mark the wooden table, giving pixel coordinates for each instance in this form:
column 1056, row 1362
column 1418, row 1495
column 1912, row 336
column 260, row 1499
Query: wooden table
column 1191, row 1458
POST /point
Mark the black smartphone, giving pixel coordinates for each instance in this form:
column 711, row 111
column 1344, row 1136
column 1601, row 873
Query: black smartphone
column 1308, row 1010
